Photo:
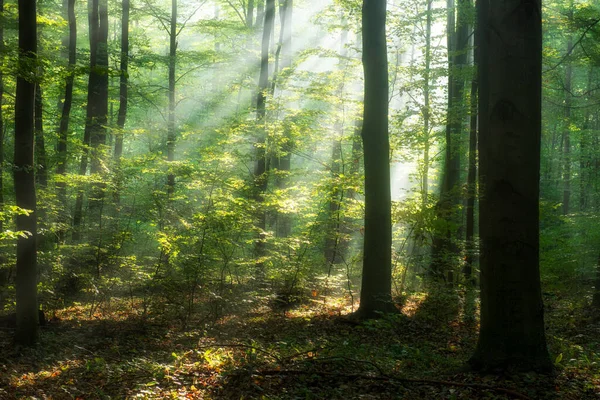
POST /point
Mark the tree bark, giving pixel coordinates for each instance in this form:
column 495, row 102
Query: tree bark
column 171, row 131
column 92, row 99
column 566, row 206
column 282, row 161
column 40, row 146
column 375, row 295
column 3, row 268
column 510, row 99
column 261, row 167
column 123, row 82
column 471, row 183
column 444, row 249
column 63, row 129
column 426, row 108
column 24, row 178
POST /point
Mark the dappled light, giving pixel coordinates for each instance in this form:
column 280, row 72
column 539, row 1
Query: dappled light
column 299, row 199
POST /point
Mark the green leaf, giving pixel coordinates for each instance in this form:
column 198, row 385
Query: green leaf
column 558, row 359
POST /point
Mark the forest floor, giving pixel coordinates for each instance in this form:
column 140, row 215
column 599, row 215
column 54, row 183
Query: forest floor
column 309, row 352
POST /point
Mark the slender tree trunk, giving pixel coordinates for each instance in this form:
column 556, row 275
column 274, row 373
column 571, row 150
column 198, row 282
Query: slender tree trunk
column 63, row 129
column 3, row 268
column 261, row 168
column 93, row 17
column 566, row 206
column 471, row 188
column 250, row 14
column 583, row 151
column 332, row 249
column 282, row 162
column 24, row 177
column 123, row 81
column 375, row 295
column 510, row 117
column 444, row 248
column 171, row 131
column 471, row 181
column 40, row 147
column 596, row 297
column 426, row 108
column 334, row 241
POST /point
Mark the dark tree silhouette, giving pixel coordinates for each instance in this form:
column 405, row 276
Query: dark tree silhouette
column 510, row 65
column 24, row 175
column 375, row 295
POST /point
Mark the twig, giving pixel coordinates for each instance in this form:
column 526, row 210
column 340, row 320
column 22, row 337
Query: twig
column 510, row 392
column 569, row 51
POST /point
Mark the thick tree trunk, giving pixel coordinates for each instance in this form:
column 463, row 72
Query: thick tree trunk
column 97, row 115
column 171, row 131
column 24, row 176
column 510, row 65
column 375, row 295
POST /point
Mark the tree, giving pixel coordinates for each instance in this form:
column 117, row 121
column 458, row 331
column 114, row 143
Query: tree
column 171, row 132
column 123, row 82
column 444, row 248
column 261, row 167
column 40, row 147
column 63, row 129
column 24, row 176
column 512, row 317
column 3, row 270
column 375, row 295
column 94, row 135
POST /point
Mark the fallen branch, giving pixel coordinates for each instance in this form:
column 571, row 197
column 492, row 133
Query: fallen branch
column 509, row 392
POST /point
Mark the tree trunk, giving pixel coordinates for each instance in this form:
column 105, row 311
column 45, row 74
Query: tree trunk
column 375, row 295
column 3, row 268
column 40, row 147
column 171, row 132
column 426, row 108
column 250, row 14
column 567, row 133
column 97, row 115
column 261, row 168
column 93, row 22
column 444, row 249
column 510, row 103
column 24, row 178
column 123, row 81
column 63, row 129
column 282, row 162
column 471, row 183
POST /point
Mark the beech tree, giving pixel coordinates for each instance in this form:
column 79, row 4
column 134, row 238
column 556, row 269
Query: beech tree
column 24, row 176
column 510, row 66
column 375, row 295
